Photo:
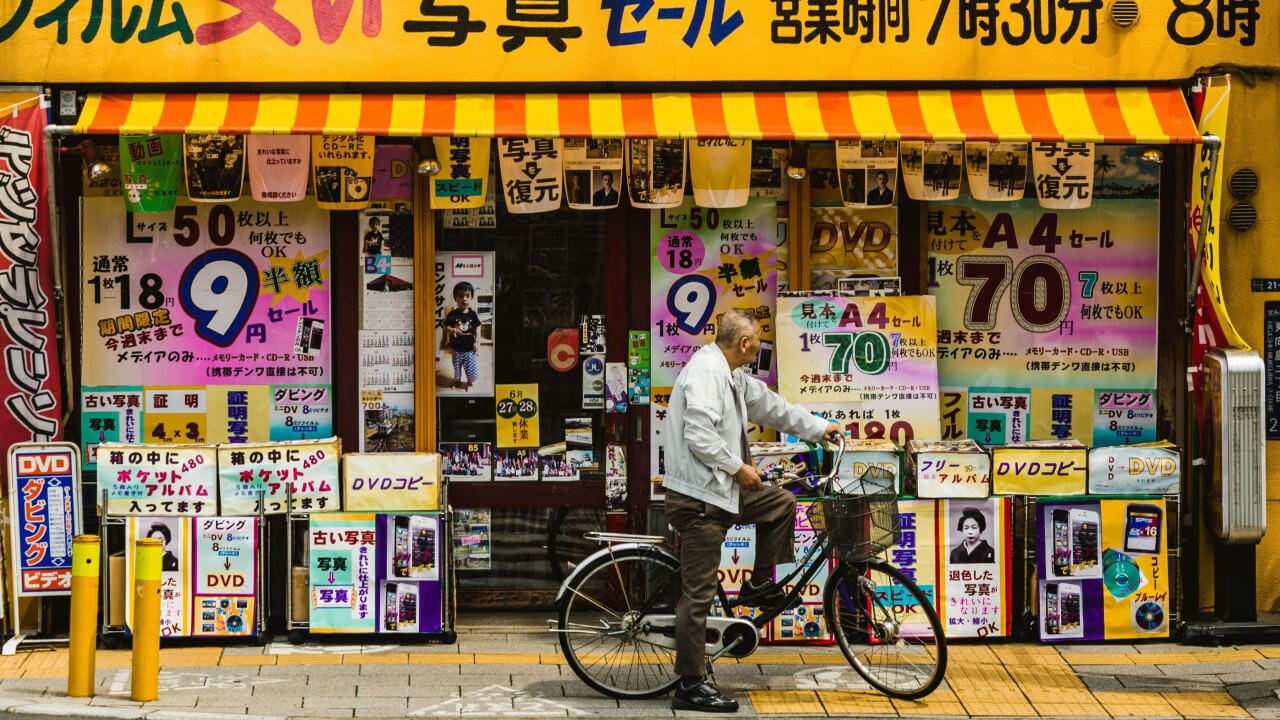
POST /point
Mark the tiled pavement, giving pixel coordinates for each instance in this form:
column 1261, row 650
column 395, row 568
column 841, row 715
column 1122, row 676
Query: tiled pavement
column 508, row 665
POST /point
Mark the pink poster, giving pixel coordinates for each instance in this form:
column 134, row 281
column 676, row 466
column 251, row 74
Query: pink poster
column 279, row 166
column 393, row 172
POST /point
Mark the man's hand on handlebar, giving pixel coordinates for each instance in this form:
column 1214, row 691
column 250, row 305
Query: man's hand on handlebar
column 834, row 433
column 748, row 477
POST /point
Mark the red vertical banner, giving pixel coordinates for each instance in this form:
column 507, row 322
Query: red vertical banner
column 31, row 388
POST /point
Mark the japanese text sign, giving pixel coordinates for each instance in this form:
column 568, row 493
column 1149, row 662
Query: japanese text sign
column 391, row 481
column 44, row 507
column 305, row 469
column 151, row 480
column 516, row 407
column 341, row 553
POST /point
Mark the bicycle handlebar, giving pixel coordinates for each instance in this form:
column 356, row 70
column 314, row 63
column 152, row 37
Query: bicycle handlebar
column 816, row 481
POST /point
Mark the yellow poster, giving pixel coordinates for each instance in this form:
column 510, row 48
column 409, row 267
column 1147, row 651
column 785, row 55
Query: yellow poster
column 1135, row 569
column 343, row 169
column 517, row 410
column 390, row 481
column 239, row 413
column 721, row 172
column 916, row 554
column 1024, row 470
column 175, row 415
column 464, row 173
column 1052, row 416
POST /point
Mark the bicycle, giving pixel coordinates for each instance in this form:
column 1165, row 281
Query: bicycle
column 616, row 618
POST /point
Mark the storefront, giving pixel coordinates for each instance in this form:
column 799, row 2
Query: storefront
column 1023, row 172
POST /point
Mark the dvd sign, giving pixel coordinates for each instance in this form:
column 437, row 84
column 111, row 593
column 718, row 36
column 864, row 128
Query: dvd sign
column 43, row 497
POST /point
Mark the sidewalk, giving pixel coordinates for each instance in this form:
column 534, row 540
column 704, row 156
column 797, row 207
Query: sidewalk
column 507, row 665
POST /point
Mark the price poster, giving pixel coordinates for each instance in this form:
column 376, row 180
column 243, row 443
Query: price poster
column 848, row 242
column 516, row 407
column 341, row 554
column 409, row 587
column 1031, row 299
column 916, row 554
column 150, row 480
column 306, row 469
column 226, row 576
column 873, row 358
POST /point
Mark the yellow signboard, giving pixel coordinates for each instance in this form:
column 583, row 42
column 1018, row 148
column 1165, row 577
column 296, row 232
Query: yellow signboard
column 517, row 410
column 1039, row 471
column 390, row 481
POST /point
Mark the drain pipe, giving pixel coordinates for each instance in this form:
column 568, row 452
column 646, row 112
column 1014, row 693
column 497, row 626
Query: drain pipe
column 53, row 135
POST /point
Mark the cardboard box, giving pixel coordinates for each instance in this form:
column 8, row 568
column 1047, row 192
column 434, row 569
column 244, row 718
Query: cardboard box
column 860, row 456
column 115, row 590
column 1040, row 467
column 1147, row 469
column 773, row 459
column 949, row 468
column 300, row 610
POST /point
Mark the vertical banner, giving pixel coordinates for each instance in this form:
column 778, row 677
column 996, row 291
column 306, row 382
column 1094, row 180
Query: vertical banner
column 697, row 274
column 44, row 516
column 175, row 570
column 342, row 556
column 516, row 407
column 108, row 415
column 531, row 173
column 592, row 173
column 226, row 576
column 720, row 171
column 214, row 167
column 343, row 167
column 279, row 167
column 464, row 319
column 143, row 480
column 409, row 590
column 393, row 171
column 655, row 173
column 848, row 242
column 1063, row 173
column 931, row 170
column 32, row 384
column 463, row 181
column 1032, row 299
column 868, row 171
column 150, row 172
column 997, row 171
column 917, row 556
column 977, row 567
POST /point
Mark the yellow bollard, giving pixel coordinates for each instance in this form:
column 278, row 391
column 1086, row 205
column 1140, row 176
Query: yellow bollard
column 86, row 553
column 147, row 555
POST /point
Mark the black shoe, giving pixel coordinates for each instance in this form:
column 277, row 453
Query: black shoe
column 766, row 594
column 703, row 697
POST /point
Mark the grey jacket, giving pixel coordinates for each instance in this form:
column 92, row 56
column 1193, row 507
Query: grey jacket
column 708, row 410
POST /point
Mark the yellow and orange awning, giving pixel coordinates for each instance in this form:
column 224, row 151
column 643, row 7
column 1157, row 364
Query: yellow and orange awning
column 1122, row 115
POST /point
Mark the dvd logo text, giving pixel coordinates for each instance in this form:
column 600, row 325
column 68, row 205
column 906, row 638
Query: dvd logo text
column 44, row 464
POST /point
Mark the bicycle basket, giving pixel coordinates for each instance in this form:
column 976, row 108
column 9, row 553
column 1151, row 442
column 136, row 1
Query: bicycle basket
column 860, row 525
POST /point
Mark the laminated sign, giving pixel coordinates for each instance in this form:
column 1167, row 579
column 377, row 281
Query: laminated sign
column 931, row 171
column 868, row 171
column 997, row 171
column 531, row 173
column 655, row 173
column 343, row 166
column 150, row 172
column 1063, row 174
column 464, row 173
column 516, row 407
column 721, row 172
column 150, row 480
column 592, row 173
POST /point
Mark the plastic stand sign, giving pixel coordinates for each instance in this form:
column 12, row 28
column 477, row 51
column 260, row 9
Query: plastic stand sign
column 44, row 517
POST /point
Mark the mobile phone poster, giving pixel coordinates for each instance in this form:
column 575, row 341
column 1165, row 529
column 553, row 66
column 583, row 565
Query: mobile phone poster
column 1103, row 569
column 1047, row 318
column 222, row 309
column 375, row 573
column 706, row 261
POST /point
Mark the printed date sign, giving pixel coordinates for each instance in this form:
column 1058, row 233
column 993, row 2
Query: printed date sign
column 45, row 516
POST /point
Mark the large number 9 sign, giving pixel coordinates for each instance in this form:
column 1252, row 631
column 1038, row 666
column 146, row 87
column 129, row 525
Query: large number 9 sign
column 218, row 290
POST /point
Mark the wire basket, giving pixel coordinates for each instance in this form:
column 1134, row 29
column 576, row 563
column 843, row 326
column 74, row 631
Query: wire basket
column 862, row 523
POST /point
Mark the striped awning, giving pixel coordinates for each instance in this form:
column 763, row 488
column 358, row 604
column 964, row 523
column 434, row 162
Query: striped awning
column 1123, row 115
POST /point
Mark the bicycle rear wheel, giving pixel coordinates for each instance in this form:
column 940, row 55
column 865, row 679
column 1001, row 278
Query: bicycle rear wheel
column 617, row 623
column 886, row 628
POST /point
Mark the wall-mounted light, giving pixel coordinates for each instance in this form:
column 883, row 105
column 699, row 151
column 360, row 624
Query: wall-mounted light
column 428, row 164
column 1153, row 155
column 798, row 159
column 88, row 150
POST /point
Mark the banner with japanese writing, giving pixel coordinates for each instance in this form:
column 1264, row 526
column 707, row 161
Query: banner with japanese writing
column 243, row 413
column 409, row 587
column 720, row 172
column 343, row 170
column 997, row 172
column 32, row 382
column 931, row 170
column 868, row 172
column 279, row 167
column 175, row 570
column 44, row 516
column 1063, row 174
column 391, row 481
column 977, row 569
column 705, row 261
column 150, row 172
column 463, row 180
column 1103, row 569
column 851, row 242
column 805, row 623
column 108, row 414
column 464, row 318
column 214, row 166
column 516, row 407
column 306, row 469
column 205, row 294
column 876, row 356
column 592, row 173
column 225, row 575
column 1034, row 299
column 342, row 556
column 916, row 554
column 531, row 173
column 655, row 173
column 150, row 480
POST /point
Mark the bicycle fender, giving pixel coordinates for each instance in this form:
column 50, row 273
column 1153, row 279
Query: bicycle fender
column 606, row 552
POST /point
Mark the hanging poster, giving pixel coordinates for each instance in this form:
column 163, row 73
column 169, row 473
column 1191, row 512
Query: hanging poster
column 997, row 171
column 822, row 177
column 463, row 180
column 1063, row 173
column 307, row 469
column 655, row 173
column 592, row 173
column 464, row 320
column 466, row 462
column 175, row 570
column 343, row 168
column 769, row 171
column 720, row 172
column 848, row 242
column 482, row 217
column 393, row 170
column 1030, row 299
column 471, row 539
column 279, row 167
column 409, row 591
column 931, row 171
column 390, row 481
column 146, row 480
column 1103, row 569
column 696, row 276
column 977, row 567
column 515, row 463
column 214, row 167
column 44, row 515
column 174, row 415
column 111, row 414
column 868, row 172
column 531, row 173
column 150, row 173
column 516, row 407
column 226, row 576
column 341, row 554
column 874, row 355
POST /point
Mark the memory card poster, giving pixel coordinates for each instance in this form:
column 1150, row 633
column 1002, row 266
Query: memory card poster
column 387, row 355
column 221, row 309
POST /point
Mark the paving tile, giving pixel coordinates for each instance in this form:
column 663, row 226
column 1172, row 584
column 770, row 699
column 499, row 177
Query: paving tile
column 1097, row 658
column 1248, row 690
column 779, row 659
column 1135, row 704
column 1205, row 704
column 115, row 659
column 972, row 655
column 855, row 702
column 785, row 702
column 389, row 658
column 282, row 660
column 1228, row 655
column 1041, row 677
column 242, row 660
column 1269, row 652
column 994, row 707
column 416, row 658
column 189, row 656
column 1073, row 710
column 511, row 669
column 938, row 702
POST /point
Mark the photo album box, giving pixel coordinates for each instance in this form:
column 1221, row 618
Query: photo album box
column 773, row 459
column 1040, row 467
column 863, row 455
column 1148, row 468
column 949, row 468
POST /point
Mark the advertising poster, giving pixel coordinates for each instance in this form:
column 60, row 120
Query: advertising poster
column 279, row 167
column 805, row 623
column 463, row 181
column 393, row 170
column 850, row 242
column 307, row 468
column 108, row 414
column 226, row 576
column 175, row 570
column 999, row 416
column 1063, row 174
column 149, row 480
column 214, row 166
column 768, row 171
column 44, row 504
column 655, row 173
column 638, row 375
column 390, row 481
column 868, row 172
column 531, row 173
column 485, row 216
column 917, row 556
column 386, row 255
column 615, row 388
column 977, row 567
column 1031, row 298
column 615, row 477
column 464, row 303
column 300, row 412
column 389, row 419
column 931, row 170
column 150, row 173
column 592, row 173
column 471, row 535
column 466, row 462
column 997, row 171
column 1103, row 569
column 409, row 590
column 696, row 275
column 874, row 355
column 516, row 407
column 341, row 553
column 343, row 169
column 720, row 172
column 174, row 415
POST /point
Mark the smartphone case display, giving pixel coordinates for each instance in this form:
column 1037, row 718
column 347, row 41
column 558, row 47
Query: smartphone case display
column 1103, row 569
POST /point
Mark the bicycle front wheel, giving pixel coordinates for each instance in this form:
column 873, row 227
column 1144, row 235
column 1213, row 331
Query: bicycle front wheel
column 886, row 628
column 617, row 623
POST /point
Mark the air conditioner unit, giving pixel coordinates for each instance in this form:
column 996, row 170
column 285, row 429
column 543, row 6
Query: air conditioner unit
column 1234, row 383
